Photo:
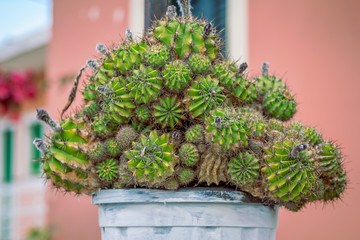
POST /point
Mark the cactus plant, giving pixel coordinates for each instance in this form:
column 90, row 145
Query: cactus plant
column 168, row 110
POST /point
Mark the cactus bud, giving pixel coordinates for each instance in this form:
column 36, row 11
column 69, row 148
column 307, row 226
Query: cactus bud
column 207, row 30
column 217, row 122
column 171, row 12
column 101, row 48
column 185, row 8
column 92, row 63
column 242, row 67
column 265, row 69
column 298, row 148
column 43, row 115
column 129, row 35
column 40, row 145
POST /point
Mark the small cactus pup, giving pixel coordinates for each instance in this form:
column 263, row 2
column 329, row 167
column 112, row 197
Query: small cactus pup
column 167, row 110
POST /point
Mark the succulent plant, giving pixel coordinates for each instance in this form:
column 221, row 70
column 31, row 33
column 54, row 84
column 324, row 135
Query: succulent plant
column 168, row 110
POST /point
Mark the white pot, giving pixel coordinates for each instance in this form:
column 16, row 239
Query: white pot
column 194, row 213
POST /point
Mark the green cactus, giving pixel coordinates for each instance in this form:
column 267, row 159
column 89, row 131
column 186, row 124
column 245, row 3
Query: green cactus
column 186, row 176
column 145, row 85
column 203, row 96
column 152, row 159
column 188, row 154
column 103, row 125
column 113, row 147
column 126, row 136
column 157, row 55
column 143, row 113
column 97, row 151
column 227, row 127
column 91, row 109
column 108, row 170
column 187, row 37
column 289, row 171
column 280, row 105
column 199, row 63
column 195, row 134
column 274, row 124
column 168, row 112
column 177, row 75
column 266, row 83
column 89, row 92
column 312, row 136
column 243, row 169
column 118, row 105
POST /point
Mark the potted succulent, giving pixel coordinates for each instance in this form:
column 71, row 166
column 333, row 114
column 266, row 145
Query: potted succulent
column 170, row 112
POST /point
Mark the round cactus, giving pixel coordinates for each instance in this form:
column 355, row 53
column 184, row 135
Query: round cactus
column 126, row 136
column 97, row 151
column 186, row 175
column 227, row 128
column 152, row 159
column 289, row 170
column 108, row 170
column 188, row 154
column 280, row 105
column 177, row 75
column 274, row 124
column 143, row 113
column 195, row 134
column 199, row 63
column 203, row 96
column 145, row 85
column 243, row 169
column 113, row 147
column 312, row 136
column 168, row 112
column 157, row 55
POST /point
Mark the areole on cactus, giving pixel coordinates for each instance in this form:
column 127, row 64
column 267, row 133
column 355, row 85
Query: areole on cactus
column 167, row 110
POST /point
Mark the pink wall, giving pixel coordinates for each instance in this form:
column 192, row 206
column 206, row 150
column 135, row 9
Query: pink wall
column 78, row 26
column 315, row 46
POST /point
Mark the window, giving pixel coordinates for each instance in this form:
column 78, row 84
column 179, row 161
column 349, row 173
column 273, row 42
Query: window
column 36, row 131
column 211, row 10
column 8, row 137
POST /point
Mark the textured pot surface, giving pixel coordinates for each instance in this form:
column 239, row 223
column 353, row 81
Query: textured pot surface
column 196, row 213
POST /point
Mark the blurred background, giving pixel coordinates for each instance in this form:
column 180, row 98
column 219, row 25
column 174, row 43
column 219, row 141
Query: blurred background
column 313, row 45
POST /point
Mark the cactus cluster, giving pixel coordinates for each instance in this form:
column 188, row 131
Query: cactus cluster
column 168, row 110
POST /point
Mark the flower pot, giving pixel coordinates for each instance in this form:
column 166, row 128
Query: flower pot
column 194, row 213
